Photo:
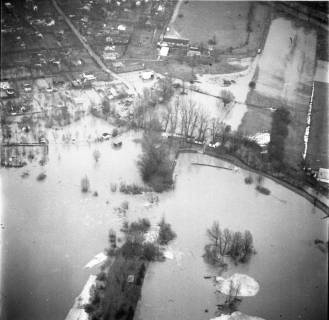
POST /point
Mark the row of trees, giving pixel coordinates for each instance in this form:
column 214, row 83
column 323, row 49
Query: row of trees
column 279, row 132
column 225, row 242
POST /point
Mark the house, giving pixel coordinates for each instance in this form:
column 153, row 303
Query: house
column 118, row 66
column 110, row 55
column 147, row 75
column 193, row 52
column 122, row 27
column 175, row 41
column 88, row 76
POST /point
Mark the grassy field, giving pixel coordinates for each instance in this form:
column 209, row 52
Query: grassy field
column 284, row 78
column 232, row 24
column 317, row 153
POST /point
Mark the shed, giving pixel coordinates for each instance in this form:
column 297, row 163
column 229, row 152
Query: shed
column 164, row 51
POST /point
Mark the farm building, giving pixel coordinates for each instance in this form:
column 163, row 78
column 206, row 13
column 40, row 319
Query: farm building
column 176, row 42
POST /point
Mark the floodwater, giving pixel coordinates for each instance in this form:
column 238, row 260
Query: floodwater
column 51, row 230
column 291, row 271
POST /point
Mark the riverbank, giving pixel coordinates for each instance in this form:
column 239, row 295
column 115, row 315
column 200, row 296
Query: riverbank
column 237, row 162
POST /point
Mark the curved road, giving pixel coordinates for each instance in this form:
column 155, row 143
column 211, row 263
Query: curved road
column 131, row 89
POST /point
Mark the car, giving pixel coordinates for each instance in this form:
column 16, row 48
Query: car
column 49, row 89
column 259, row 51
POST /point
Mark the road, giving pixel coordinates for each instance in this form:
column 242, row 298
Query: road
column 131, row 89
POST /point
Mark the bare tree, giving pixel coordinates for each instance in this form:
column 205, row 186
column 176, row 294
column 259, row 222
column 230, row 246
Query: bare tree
column 226, row 243
column 215, row 128
column 203, row 124
column 173, row 119
column 215, row 233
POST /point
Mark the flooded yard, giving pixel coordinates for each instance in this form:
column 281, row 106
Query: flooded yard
column 52, row 230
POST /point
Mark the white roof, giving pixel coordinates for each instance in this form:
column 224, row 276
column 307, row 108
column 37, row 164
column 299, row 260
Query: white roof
column 262, row 138
column 164, row 51
column 323, row 175
column 122, row 27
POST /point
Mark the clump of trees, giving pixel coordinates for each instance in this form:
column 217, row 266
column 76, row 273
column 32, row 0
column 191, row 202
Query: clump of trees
column 278, row 135
column 85, row 184
column 154, row 164
column 226, row 242
column 227, row 97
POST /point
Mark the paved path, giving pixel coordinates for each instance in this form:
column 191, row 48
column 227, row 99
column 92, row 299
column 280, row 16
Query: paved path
column 97, row 59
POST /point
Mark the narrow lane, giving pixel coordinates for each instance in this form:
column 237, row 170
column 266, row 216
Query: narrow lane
column 130, row 87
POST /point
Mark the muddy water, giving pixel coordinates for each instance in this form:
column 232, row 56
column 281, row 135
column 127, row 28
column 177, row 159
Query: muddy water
column 52, row 230
column 291, row 271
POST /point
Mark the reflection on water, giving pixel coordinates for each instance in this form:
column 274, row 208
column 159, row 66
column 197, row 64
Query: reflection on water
column 52, row 230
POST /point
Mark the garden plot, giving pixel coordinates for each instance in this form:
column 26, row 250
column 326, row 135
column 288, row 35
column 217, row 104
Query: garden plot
column 230, row 24
column 286, row 67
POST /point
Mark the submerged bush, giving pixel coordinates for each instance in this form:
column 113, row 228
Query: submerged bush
column 132, row 188
column 41, row 176
column 85, row 184
column 166, row 234
column 263, row 190
column 249, row 180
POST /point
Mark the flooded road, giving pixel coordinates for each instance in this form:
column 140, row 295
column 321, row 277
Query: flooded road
column 52, row 230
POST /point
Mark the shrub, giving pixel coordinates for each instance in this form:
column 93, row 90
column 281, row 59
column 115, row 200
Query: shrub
column 263, row 190
column 166, row 234
column 115, row 132
column 125, row 205
column 248, row 180
column 132, row 188
column 142, row 225
column 42, row 176
column 212, row 256
column 113, row 187
column 85, row 184
column 150, row 251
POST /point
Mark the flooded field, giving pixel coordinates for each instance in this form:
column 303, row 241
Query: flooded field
column 288, row 267
column 52, row 230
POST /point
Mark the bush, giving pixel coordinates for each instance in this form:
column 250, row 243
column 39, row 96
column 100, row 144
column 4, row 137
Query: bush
column 115, row 132
column 248, row 180
column 142, row 225
column 263, row 190
column 125, row 205
column 42, row 176
column 212, row 256
column 113, row 187
column 132, row 188
column 150, row 251
column 166, row 234
column 85, row 184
